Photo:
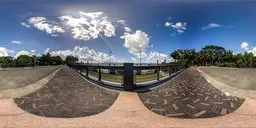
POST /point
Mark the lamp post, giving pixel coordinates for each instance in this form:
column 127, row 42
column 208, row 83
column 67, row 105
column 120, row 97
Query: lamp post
column 140, row 57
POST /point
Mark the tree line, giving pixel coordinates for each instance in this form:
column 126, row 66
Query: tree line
column 212, row 55
column 26, row 61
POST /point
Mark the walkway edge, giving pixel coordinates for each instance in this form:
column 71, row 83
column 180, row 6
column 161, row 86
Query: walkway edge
column 18, row 92
column 251, row 94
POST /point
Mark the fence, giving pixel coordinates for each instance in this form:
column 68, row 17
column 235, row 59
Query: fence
column 128, row 76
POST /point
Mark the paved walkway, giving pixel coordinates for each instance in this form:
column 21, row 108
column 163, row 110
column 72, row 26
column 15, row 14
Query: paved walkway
column 243, row 93
column 67, row 95
column 16, row 78
column 126, row 111
column 189, row 96
column 243, row 78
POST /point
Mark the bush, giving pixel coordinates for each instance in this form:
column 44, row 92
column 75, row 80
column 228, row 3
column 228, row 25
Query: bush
column 227, row 64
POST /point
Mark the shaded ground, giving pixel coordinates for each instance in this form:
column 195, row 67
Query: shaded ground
column 243, row 78
column 67, row 95
column 22, row 77
column 189, row 95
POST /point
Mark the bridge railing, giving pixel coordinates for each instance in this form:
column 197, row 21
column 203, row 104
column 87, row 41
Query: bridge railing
column 127, row 76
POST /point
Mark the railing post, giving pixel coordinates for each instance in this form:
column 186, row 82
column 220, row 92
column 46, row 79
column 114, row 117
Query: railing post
column 99, row 74
column 128, row 77
column 170, row 70
column 158, row 69
column 87, row 72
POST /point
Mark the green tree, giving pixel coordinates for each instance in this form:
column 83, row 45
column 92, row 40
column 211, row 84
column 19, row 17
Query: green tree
column 24, row 60
column 57, row 60
column 71, row 59
column 6, row 61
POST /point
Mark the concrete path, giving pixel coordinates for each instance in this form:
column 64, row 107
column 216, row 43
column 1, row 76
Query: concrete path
column 127, row 111
column 21, row 91
column 243, row 93
column 21, row 77
column 242, row 78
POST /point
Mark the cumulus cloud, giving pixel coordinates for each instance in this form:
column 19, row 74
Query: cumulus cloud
column 16, row 42
column 50, row 27
column 253, row 51
column 250, row 49
column 179, row 26
column 25, row 25
column 151, row 57
column 23, row 52
column 245, row 45
column 85, row 54
column 89, row 25
column 46, row 50
column 167, row 24
column 136, row 43
column 3, row 51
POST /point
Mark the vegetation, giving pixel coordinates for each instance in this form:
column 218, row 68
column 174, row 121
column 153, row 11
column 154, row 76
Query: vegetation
column 212, row 55
column 25, row 60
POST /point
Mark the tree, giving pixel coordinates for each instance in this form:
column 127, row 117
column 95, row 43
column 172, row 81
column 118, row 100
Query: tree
column 57, row 60
column 24, row 60
column 71, row 59
column 6, row 61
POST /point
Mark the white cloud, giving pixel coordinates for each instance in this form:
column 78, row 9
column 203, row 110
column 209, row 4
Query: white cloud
column 151, row 57
column 211, row 25
column 253, row 51
column 179, row 26
column 32, row 50
column 89, row 25
column 167, row 24
column 3, row 51
column 245, row 45
column 42, row 24
column 121, row 22
column 23, row 52
column 127, row 29
column 85, row 54
column 24, row 24
column 46, row 50
column 136, row 43
column 11, row 51
column 16, row 42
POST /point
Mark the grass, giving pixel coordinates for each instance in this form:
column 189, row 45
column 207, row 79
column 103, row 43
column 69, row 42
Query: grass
column 119, row 78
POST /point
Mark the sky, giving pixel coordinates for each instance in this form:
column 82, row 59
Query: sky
column 124, row 31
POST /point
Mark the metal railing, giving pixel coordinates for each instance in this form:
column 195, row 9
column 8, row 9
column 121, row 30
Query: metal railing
column 127, row 76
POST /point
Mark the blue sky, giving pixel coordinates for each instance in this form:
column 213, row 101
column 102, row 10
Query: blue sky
column 156, row 28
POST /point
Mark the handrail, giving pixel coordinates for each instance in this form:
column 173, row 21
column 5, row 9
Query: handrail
column 127, row 70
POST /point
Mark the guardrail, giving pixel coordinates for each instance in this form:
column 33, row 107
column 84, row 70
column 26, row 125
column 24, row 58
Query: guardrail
column 128, row 76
